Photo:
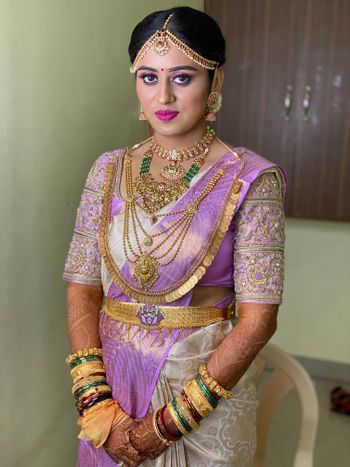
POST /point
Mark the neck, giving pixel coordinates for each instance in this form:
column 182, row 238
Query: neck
column 183, row 140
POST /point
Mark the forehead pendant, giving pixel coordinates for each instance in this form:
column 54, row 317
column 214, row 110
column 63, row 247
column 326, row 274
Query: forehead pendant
column 159, row 43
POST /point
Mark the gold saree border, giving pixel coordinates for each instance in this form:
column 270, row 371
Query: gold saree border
column 198, row 269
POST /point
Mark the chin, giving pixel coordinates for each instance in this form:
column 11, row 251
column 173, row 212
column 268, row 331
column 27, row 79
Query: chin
column 171, row 128
column 168, row 129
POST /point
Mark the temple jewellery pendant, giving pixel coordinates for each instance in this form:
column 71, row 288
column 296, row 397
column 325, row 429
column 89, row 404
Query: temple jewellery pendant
column 173, row 171
column 146, row 270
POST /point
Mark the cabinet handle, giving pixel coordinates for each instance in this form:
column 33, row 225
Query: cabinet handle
column 288, row 102
column 306, row 102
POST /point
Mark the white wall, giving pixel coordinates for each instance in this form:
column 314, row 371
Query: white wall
column 66, row 95
column 315, row 316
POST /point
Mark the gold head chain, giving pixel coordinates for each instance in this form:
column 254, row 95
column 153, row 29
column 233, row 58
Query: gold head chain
column 158, row 42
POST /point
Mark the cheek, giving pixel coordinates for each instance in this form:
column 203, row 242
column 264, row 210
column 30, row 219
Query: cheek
column 195, row 99
column 139, row 92
column 144, row 93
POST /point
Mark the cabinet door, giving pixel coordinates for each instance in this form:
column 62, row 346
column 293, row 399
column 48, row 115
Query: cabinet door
column 321, row 180
column 303, row 45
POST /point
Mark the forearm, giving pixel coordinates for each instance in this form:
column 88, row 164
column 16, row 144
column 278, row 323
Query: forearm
column 256, row 324
column 83, row 306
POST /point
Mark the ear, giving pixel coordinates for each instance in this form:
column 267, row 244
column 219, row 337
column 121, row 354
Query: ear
column 218, row 80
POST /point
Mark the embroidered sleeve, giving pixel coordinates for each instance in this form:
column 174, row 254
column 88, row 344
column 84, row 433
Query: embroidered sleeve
column 259, row 241
column 83, row 263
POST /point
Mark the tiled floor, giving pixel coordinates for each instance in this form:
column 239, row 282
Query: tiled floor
column 333, row 439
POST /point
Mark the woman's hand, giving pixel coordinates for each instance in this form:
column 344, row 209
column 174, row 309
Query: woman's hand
column 144, row 438
column 256, row 325
column 118, row 445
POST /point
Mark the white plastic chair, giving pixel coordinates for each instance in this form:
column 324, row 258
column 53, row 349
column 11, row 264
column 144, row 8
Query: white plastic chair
column 287, row 374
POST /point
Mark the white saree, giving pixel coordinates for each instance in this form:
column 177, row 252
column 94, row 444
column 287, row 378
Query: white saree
column 227, row 437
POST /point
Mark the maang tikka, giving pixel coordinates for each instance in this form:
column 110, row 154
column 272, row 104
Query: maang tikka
column 159, row 43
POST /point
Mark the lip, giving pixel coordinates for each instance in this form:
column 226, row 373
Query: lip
column 166, row 115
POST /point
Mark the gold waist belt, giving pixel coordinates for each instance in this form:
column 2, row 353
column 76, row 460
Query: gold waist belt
column 162, row 317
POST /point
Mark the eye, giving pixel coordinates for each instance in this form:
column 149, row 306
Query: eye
column 149, row 78
column 183, row 79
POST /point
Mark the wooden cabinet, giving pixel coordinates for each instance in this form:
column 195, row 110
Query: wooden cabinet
column 287, row 94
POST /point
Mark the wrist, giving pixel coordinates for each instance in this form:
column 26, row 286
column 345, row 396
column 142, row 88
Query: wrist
column 167, row 425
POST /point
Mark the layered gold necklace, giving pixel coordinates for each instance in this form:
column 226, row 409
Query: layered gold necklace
column 145, row 254
column 174, row 170
column 154, row 194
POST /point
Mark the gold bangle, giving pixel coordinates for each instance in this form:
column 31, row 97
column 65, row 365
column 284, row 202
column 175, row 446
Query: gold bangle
column 98, row 405
column 177, row 422
column 84, row 353
column 95, row 390
column 185, row 412
column 212, row 384
column 86, row 369
column 157, row 430
column 197, row 398
column 84, row 381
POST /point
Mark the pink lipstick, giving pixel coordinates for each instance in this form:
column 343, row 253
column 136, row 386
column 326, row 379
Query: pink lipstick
column 166, row 115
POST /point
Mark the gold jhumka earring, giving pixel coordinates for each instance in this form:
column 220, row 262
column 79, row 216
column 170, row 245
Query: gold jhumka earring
column 214, row 102
column 213, row 106
column 142, row 115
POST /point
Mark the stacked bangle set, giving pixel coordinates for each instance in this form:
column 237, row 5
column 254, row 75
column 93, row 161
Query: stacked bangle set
column 89, row 378
column 196, row 401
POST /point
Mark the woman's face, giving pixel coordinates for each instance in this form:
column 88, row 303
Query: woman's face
column 172, row 91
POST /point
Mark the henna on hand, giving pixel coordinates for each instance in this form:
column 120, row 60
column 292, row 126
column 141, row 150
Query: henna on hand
column 118, row 445
column 170, row 424
column 83, row 307
column 256, row 325
column 145, row 440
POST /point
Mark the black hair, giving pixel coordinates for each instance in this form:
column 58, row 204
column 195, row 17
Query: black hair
column 195, row 28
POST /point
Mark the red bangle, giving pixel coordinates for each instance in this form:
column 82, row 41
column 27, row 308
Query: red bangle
column 197, row 417
column 81, row 403
column 163, row 429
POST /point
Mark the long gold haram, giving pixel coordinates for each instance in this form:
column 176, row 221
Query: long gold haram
column 146, row 264
column 156, row 194
column 199, row 265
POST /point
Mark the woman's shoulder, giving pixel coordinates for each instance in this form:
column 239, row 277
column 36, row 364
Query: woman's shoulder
column 259, row 169
column 267, row 178
column 252, row 159
column 96, row 174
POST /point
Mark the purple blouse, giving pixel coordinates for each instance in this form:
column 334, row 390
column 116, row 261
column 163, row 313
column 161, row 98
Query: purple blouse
column 250, row 259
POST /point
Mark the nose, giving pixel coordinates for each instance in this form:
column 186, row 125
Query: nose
column 166, row 95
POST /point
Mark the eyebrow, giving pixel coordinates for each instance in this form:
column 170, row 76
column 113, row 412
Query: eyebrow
column 175, row 68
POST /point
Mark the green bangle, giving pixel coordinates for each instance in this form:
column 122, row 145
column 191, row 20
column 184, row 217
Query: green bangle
column 208, row 395
column 80, row 360
column 180, row 417
column 80, row 391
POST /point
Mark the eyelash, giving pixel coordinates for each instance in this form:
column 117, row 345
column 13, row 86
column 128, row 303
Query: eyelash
column 154, row 78
column 188, row 79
